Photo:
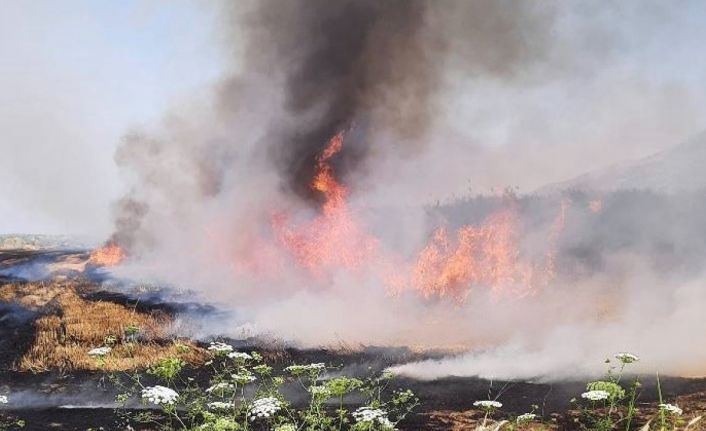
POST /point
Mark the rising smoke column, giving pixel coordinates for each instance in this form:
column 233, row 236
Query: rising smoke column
column 206, row 181
column 306, row 70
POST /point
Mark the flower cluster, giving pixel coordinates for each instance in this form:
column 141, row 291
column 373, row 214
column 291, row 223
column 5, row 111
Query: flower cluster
column 243, row 378
column 302, row 369
column 595, row 395
column 626, row 358
column 160, row 395
column 263, row 408
column 221, row 387
column 99, row 351
column 220, row 348
column 672, row 409
column 320, row 392
column 526, row 417
column 3, row 399
column 239, row 355
column 488, row 404
column 371, row 415
column 286, row 427
column 219, row 405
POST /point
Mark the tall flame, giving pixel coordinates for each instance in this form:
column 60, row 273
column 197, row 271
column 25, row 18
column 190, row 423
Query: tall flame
column 334, row 238
column 486, row 255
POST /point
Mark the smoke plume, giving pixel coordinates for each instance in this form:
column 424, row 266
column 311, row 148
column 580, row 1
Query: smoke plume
column 207, row 183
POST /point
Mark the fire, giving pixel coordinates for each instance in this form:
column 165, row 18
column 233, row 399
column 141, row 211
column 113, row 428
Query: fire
column 325, row 182
column 334, row 238
column 450, row 265
column 109, row 255
column 487, row 255
column 595, row 206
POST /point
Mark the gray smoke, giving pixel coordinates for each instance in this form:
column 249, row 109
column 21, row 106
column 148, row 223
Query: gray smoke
column 420, row 87
column 310, row 69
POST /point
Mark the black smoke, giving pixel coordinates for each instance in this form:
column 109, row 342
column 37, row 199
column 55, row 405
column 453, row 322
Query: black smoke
column 304, row 70
column 366, row 65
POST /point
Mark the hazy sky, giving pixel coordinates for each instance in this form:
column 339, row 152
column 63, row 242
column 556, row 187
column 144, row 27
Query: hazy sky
column 75, row 75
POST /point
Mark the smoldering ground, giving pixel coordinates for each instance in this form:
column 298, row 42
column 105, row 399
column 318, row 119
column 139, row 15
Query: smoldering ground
column 205, row 182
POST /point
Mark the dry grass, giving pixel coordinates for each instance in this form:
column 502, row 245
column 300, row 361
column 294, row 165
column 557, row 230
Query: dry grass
column 450, row 420
column 31, row 295
column 472, row 420
column 71, row 326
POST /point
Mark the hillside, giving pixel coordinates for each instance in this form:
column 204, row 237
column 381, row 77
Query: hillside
column 678, row 169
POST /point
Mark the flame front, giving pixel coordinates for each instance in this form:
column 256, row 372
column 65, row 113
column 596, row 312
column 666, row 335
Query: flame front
column 334, row 238
column 109, row 255
column 485, row 255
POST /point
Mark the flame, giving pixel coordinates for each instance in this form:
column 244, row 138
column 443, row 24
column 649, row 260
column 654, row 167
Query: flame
column 487, row 255
column 334, row 238
column 109, row 255
column 478, row 255
column 449, row 265
column 595, row 206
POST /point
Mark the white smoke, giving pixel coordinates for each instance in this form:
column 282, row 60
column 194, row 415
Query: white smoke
column 507, row 108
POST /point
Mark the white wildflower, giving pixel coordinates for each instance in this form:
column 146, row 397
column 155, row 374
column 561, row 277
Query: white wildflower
column 672, row 409
column 371, row 415
column 300, row 369
column 626, row 358
column 220, row 348
column 595, row 395
column 488, row 404
column 219, row 405
column 99, row 351
column 263, row 408
column 239, row 355
column 526, row 417
column 319, row 390
column 160, row 395
column 221, row 387
column 3, row 399
column 243, row 378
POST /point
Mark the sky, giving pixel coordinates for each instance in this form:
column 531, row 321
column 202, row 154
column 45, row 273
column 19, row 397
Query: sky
column 75, row 76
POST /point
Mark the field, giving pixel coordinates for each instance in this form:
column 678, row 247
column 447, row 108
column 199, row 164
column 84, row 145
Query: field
column 53, row 378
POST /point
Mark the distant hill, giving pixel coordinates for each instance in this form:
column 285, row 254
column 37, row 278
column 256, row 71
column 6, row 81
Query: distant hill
column 40, row 242
column 682, row 168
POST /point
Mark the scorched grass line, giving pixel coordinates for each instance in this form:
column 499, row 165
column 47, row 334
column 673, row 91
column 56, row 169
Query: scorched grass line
column 71, row 326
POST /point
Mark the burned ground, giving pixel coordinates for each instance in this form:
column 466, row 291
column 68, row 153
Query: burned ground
column 47, row 327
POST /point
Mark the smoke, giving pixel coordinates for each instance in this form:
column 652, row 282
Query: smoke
column 399, row 78
column 375, row 68
column 658, row 322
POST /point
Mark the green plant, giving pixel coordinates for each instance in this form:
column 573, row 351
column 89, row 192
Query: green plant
column 131, row 331
column 225, row 404
column 110, row 340
column 167, row 369
column 604, row 409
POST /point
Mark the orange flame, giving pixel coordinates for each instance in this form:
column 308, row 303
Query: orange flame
column 109, row 255
column 334, row 238
column 486, row 255
column 479, row 255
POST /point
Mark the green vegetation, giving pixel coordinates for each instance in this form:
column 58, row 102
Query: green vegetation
column 245, row 393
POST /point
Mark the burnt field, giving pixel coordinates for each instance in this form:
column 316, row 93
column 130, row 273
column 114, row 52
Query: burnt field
column 50, row 322
column 353, row 215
